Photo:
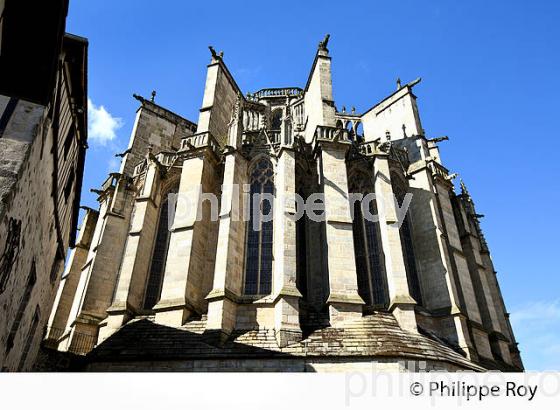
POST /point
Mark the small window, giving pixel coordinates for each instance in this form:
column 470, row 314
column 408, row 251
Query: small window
column 31, row 279
column 68, row 142
column 10, row 253
column 56, row 267
column 69, row 184
column 29, row 338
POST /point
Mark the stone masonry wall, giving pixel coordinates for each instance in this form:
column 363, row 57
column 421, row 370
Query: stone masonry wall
column 24, row 303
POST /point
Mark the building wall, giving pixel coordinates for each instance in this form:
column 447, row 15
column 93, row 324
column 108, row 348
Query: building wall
column 397, row 114
column 70, row 278
column 220, row 94
column 155, row 130
column 310, row 365
column 40, row 159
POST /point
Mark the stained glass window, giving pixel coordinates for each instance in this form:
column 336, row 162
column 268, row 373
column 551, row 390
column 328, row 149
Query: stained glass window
column 301, row 252
column 258, row 263
column 407, row 244
column 159, row 255
column 372, row 279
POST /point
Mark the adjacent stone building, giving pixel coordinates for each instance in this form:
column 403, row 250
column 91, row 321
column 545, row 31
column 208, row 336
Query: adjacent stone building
column 43, row 96
column 180, row 269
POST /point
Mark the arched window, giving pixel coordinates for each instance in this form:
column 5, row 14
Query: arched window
column 159, row 254
column 399, row 189
column 350, row 129
column 276, row 122
column 372, row 278
column 359, row 132
column 258, row 263
column 301, row 246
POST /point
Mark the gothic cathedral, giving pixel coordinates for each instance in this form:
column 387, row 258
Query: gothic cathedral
column 177, row 270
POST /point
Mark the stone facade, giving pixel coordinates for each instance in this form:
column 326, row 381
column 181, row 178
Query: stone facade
column 42, row 149
column 170, row 275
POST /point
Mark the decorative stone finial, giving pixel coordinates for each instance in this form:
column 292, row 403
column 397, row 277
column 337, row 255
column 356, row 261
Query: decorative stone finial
column 353, row 110
column 464, row 190
column 343, row 108
column 323, row 44
column 237, row 106
column 153, row 96
column 399, row 85
column 216, row 56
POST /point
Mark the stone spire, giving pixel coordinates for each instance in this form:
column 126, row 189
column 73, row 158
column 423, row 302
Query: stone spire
column 471, row 212
column 234, row 126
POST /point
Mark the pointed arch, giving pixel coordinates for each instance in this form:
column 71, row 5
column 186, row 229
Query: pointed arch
column 259, row 238
column 400, row 189
column 359, row 131
column 370, row 266
column 350, row 128
column 154, row 283
column 276, row 119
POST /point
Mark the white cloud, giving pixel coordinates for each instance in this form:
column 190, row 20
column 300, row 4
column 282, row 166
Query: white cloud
column 536, row 314
column 248, row 71
column 113, row 164
column 536, row 326
column 102, row 126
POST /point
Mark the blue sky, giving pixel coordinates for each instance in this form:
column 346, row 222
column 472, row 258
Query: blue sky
column 491, row 82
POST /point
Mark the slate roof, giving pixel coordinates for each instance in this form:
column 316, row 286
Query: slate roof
column 375, row 336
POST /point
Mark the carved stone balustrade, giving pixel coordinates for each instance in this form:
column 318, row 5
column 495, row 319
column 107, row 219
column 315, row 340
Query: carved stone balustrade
column 331, row 134
column 277, row 92
column 438, row 170
column 166, row 158
column 111, row 181
column 200, row 141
